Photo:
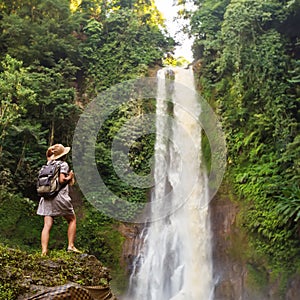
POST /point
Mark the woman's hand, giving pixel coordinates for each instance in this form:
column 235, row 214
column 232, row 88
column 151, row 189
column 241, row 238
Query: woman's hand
column 64, row 178
column 72, row 178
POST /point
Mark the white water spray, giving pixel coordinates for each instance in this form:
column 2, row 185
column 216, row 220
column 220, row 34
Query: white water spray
column 175, row 259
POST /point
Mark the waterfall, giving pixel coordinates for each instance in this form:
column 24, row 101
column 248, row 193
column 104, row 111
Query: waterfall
column 174, row 262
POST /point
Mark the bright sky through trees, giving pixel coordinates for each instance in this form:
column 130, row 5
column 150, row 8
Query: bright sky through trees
column 169, row 10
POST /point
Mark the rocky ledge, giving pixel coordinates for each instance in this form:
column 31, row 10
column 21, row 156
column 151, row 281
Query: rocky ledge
column 31, row 276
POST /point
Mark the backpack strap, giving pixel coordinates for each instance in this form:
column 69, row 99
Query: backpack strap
column 62, row 185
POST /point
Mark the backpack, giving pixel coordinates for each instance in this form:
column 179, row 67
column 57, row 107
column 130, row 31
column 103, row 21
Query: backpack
column 48, row 180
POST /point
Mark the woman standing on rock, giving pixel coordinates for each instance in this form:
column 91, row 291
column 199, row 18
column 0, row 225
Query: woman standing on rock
column 61, row 204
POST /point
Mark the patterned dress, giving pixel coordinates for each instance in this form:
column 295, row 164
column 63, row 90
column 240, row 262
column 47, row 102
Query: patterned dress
column 61, row 204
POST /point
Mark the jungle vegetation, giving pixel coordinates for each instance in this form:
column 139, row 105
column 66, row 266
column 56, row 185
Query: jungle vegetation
column 247, row 66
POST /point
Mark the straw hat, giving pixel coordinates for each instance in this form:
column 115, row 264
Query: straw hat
column 56, row 151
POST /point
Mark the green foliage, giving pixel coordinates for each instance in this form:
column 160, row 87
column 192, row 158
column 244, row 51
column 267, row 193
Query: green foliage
column 127, row 46
column 206, row 151
column 248, row 55
column 256, row 278
column 39, row 31
column 16, row 213
column 98, row 235
column 289, row 206
column 133, row 157
column 35, row 102
column 53, row 60
column 15, row 95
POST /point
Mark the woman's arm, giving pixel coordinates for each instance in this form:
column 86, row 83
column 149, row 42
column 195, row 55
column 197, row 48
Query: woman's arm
column 65, row 178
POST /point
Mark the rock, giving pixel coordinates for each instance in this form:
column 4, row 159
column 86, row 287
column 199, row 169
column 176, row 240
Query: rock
column 31, row 276
column 131, row 245
column 236, row 275
column 293, row 288
column 73, row 291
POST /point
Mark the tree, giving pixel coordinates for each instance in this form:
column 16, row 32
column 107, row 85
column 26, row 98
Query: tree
column 15, row 95
column 40, row 31
column 121, row 48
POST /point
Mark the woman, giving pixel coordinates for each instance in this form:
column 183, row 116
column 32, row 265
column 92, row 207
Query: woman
column 61, row 204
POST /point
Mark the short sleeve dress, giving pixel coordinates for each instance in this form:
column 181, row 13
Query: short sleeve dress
column 61, row 204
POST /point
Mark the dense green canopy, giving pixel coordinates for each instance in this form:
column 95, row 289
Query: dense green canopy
column 247, row 59
column 54, row 60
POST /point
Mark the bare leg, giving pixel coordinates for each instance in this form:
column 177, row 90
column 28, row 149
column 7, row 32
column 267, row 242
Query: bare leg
column 71, row 219
column 48, row 222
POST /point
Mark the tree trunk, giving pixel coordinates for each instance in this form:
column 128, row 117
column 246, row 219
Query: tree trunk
column 51, row 133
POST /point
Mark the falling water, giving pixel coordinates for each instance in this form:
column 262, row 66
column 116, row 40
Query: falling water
column 175, row 259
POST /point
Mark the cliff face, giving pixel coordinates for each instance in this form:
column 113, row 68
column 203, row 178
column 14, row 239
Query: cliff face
column 236, row 275
column 230, row 272
column 131, row 245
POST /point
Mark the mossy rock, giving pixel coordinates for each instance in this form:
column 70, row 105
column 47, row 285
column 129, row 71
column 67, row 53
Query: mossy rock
column 25, row 274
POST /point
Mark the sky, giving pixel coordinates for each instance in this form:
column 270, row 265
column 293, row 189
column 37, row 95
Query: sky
column 169, row 11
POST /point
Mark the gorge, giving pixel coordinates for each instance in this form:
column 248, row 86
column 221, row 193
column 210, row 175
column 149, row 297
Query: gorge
column 198, row 250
